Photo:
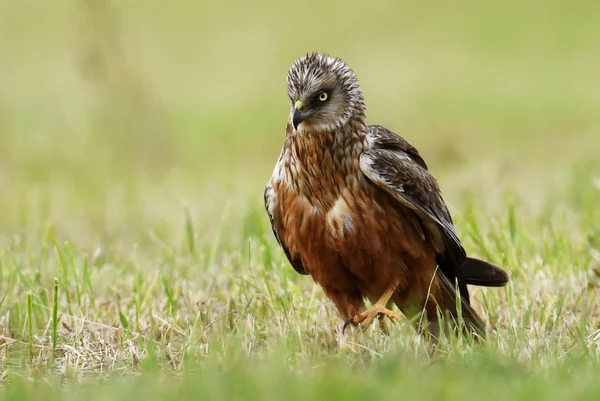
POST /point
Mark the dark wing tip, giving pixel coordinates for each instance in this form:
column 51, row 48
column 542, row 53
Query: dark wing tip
column 484, row 274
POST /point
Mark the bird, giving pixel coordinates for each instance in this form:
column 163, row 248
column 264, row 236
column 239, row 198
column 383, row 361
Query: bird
column 355, row 207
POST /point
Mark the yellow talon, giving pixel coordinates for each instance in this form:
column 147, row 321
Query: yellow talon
column 378, row 309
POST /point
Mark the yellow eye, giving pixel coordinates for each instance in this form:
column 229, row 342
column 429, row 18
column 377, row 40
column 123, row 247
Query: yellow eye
column 323, row 96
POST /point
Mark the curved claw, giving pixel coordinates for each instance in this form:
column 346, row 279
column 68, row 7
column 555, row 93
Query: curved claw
column 349, row 322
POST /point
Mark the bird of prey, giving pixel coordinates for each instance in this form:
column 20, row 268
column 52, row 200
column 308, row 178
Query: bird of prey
column 354, row 206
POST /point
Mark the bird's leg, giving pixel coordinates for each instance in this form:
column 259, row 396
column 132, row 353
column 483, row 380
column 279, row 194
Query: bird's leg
column 378, row 309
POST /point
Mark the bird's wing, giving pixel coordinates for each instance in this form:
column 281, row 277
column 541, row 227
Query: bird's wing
column 272, row 206
column 395, row 166
column 383, row 138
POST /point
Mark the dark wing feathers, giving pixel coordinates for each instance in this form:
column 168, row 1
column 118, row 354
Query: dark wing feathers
column 386, row 139
column 272, row 210
column 396, row 166
column 395, row 172
column 405, row 167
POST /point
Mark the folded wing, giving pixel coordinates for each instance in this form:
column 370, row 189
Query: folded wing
column 396, row 167
column 271, row 204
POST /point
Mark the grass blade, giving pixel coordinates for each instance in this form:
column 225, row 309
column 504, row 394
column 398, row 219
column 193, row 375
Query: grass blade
column 30, row 322
column 54, row 315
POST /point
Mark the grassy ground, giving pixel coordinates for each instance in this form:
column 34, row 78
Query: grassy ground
column 135, row 256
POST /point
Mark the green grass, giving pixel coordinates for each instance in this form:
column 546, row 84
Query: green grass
column 135, row 256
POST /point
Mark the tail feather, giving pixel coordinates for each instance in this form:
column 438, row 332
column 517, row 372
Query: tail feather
column 482, row 273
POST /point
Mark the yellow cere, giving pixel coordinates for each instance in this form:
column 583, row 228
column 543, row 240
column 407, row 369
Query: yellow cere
column 298, row 105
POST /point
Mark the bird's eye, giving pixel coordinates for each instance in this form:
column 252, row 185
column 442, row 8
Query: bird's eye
column 323, row 96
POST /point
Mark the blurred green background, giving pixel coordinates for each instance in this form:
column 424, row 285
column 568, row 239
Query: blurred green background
column 142, row 105
column 136, row 139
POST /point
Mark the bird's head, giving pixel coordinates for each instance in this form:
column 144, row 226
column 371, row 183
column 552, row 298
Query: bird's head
column 324, row 93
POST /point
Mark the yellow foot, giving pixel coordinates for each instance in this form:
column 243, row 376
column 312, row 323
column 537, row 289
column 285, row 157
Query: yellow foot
column 367, row 317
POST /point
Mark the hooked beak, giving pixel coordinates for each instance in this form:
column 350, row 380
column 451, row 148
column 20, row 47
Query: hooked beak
column 298, row 115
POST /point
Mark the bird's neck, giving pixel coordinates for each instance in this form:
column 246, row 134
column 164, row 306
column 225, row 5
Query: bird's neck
column 320, row 165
